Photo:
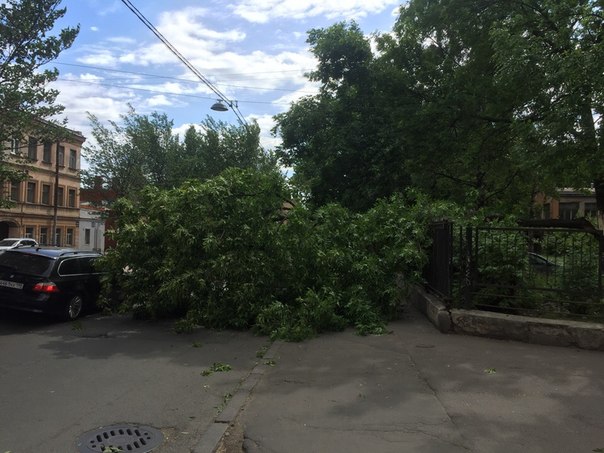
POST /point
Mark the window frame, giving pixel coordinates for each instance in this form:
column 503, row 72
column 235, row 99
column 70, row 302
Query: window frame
column 73, row 159
column 60, row 196
column 61, row 156
column 47, row 153
column 71, row 192
column 15, row 187
column 32, row 148
column 15, row 145
column 43, row 235
column 30, row 192
column 48, row 196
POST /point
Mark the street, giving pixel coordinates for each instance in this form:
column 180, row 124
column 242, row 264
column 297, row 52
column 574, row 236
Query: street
column 59, row 380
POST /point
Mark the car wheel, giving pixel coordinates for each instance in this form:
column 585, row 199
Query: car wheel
column 74, row 308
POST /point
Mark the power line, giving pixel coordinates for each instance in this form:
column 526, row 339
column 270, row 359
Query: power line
column 162, row 38
column 87, row 82
column 154, row 75
column 183, row 80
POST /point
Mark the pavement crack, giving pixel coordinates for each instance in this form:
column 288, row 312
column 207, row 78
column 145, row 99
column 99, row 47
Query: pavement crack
column 434, row 392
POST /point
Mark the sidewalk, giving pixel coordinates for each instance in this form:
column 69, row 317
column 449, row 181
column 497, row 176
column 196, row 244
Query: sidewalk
column 419, row 390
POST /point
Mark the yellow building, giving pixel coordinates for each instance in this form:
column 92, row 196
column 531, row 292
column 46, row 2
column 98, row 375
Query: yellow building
column 49, row 199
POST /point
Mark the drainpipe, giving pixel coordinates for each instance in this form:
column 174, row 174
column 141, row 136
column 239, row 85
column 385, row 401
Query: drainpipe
column 56, row 201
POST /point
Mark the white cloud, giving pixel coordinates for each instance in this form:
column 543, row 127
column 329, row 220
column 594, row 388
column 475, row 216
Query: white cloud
column 183, row 128
column 82, row 94
column 105, row 8
column 122, row 40
column 266, row 123
column 262, row 11
column 308, row 89
column 94, row 29
column 159, row 100
column 100, row 57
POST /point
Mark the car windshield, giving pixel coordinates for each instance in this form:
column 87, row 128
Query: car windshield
column 25, row 263
column 7, row 242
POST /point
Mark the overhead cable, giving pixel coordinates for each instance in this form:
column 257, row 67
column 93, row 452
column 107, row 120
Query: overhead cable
column 208, row 83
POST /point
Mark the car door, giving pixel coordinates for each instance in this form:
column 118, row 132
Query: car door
column 90, row 276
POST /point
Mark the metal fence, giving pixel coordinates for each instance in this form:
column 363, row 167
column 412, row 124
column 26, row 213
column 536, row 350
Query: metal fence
column 546, row 272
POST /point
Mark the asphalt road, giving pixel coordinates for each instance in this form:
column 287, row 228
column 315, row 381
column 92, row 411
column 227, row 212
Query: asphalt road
column 59, row 380
column 417, row 390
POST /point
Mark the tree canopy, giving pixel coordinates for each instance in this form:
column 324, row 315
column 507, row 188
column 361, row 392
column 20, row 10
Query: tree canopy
column 26, row 45
column 26, row 102
column 143, row 150
column 483, row 103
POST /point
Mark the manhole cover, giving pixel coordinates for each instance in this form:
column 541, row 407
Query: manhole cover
column 120, row 438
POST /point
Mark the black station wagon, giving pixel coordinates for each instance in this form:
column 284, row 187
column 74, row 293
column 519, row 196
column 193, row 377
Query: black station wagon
column 56, row 281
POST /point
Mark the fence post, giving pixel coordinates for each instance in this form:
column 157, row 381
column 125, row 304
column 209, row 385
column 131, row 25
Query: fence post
column 468, row 269
column 600, row 263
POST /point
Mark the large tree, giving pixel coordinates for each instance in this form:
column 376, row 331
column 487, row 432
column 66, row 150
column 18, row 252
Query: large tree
column 550, row 54
column 424, row 111
column 131, row 154
column 26, row 45
column 453, row 118
column 338, row 141
column 26, row 102
column 214, row 146
column 482, row 102
column 142, row 150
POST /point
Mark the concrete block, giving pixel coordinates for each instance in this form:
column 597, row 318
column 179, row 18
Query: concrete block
column 487, row 324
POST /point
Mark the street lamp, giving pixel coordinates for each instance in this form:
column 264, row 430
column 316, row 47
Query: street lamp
column 218, row 106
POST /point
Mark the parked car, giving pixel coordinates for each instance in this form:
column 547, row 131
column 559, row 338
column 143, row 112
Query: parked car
column 55, row 281
column 541, row 263
column 12, row 243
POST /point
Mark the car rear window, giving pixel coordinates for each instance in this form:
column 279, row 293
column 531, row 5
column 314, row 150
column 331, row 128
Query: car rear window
column 7, row 242
column 25, row 263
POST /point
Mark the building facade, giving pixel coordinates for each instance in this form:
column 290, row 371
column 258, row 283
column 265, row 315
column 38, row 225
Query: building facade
column 91, row 229
column 47, row 202
column 570, row 204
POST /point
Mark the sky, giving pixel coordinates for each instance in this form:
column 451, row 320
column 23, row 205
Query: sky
column 253, row 51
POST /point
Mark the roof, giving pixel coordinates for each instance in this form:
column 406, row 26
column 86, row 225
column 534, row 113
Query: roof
column 52, row 252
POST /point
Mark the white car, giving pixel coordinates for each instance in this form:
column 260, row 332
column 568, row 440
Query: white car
column 12, row 243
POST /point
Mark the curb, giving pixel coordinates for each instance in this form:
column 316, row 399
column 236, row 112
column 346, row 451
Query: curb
column 551, row 332
column 212, row 438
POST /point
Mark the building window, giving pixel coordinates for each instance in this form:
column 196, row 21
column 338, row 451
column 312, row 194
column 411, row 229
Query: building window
column 73, row 159
column 69, row 237
column 45, row 194
column 31, row 192
column 87, row 236
column 72, row 198
column 29, row 232
column 547, row 211
column 61, row 156
column 44, row 236
column 47, row 152
column 32, row 148
column 591, row 210
column 15, row 191
column 15, row 144
column 60, row 195
column 58, row 237
column 569, row 211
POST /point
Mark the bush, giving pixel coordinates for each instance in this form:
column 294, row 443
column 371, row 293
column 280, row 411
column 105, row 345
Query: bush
column 221, row 254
